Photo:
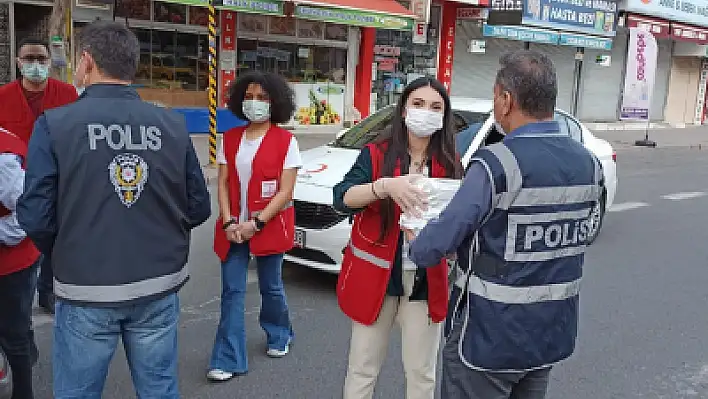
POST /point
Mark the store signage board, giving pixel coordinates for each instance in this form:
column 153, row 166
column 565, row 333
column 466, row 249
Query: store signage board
column 573, row 40
column 266, row 7
column 595, row 17
column 471, row 13
column 354, row 17
column 525, row 34
column 421, row 9
column 689, row 33
column 639, row 76
column 659, row 28
column 693, row 12
column 199, row 3
column 505, row 12
column 521, row 33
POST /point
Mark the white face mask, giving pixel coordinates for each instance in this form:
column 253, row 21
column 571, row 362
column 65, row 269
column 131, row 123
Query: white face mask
column 79, row 90
column 423, row 122
column 256, row 111
column 499, row 128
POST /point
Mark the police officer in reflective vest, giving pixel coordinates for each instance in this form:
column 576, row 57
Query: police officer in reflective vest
column 526, row 202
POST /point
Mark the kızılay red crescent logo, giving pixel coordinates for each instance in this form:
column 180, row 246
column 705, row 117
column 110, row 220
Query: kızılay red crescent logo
column 646, row 1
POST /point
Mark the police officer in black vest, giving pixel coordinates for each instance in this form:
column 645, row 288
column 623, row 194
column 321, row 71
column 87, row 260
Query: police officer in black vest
column 525, row 204
column 113, row 189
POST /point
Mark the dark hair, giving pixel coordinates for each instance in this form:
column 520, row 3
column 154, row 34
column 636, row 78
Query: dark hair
column 282, row 97
column 32, row 41
column 530, row 78
column 114, row 48
column 394, row 143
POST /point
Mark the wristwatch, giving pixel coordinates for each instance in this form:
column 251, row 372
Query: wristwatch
column 229, row 223
column 259, row 223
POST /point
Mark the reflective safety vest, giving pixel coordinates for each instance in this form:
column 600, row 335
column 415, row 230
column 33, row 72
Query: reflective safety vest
column 520, row 293
column 278, row 234
column 368, row 260
column 24, row 254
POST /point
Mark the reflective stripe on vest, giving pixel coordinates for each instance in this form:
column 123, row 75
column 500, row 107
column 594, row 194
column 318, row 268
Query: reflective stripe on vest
column 373, row 259
column 522, row 295
column 122, row 292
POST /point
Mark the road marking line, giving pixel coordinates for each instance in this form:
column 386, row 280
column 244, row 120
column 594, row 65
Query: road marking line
column 683, row 196
column 625, row 206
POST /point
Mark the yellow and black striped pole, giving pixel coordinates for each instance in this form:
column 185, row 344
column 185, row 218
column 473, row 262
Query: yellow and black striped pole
column 212, row 83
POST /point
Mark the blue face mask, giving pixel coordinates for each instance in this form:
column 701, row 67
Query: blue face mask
column 35, row 72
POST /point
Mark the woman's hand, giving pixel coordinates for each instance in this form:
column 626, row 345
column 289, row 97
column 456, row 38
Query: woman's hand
column 247, row 229
column 233, row 234
column 409, row 198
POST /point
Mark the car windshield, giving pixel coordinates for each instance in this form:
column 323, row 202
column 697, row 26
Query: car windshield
column 466, row 125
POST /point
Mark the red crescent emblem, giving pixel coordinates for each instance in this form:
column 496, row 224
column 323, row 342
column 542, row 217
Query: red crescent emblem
column 320, row 169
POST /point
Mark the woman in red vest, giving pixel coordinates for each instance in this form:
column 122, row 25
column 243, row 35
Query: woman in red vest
column 378, row 285
column 257, row 170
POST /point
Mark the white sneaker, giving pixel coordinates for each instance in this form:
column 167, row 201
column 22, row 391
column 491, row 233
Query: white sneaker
column 272, row 352
column 219, row 375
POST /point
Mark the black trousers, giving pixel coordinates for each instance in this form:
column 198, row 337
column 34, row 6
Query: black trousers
column 461, row 382
column 16, row 338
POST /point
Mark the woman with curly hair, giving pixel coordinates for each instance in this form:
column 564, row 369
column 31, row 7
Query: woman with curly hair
column 257, row 170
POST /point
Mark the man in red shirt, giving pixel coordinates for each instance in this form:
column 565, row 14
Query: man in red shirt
column 22, row 102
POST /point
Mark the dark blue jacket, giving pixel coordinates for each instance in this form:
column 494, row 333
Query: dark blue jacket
column 113, row 189
column 522, row 293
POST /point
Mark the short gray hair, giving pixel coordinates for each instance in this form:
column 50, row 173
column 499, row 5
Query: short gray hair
column 530, row 78
column 114, row 48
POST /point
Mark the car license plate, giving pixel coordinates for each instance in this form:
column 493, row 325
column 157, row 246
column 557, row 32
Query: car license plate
column 300, row 238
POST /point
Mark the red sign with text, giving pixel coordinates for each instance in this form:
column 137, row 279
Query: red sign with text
column 447, row 45
column 227, row 53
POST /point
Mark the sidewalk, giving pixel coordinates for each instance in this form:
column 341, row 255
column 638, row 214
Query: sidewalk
column 689, row 137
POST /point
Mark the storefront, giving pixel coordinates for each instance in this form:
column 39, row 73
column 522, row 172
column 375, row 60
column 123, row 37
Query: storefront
column 682, row 36
column 567, row 32
column 20, row 20
column 403, row 56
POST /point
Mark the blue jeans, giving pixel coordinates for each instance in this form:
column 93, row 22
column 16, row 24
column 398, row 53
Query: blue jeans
column 85, row 339
column 229, row 353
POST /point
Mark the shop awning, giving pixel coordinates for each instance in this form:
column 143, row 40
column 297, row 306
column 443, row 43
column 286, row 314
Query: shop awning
column 382, row 14
column 664, row 29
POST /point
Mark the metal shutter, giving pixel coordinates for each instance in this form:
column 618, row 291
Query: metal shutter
column 473, row 75
column 563, row 58
column 661, row 82
column 601, row 86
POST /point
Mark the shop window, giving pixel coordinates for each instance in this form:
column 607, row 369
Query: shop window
column 170, row 12
column 134, row 9
column 252, row 23
column 283, row 26
column 199, row 16
column 310, row 29
column 336, row 32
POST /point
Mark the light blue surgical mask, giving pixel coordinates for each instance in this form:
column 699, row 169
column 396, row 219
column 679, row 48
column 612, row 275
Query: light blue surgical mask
column 79, row 90
column 256, row 110
column 35, row 72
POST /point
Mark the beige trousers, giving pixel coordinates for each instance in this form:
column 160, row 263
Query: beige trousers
column 369, row 345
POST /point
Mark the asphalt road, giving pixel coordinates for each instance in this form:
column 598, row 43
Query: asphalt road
column 643, row 324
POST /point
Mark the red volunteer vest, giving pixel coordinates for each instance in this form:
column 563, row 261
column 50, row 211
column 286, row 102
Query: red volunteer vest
column 367, row 263
column 24, row 254
column 278, row 234
column 16, row 115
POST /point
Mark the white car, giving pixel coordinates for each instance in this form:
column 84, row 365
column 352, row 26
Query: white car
column 322, row 233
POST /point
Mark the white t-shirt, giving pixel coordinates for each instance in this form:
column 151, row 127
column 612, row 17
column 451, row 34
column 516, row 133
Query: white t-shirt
column 244, row 160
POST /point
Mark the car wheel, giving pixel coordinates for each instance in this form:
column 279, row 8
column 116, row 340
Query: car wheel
column 596, row 217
